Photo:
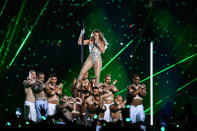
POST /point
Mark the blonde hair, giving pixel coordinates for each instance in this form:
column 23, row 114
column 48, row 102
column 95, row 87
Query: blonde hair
column 101, row 37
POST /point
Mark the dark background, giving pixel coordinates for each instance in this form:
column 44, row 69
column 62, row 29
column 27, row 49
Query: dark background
column 52, row 46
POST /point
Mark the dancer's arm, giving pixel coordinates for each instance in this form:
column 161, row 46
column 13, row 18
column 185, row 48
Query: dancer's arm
column 143, row 91
column 80, row 38
column 101, row 47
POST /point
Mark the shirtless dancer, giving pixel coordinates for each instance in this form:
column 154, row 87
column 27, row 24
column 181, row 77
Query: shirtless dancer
column 90, row 104
column 85, row 85
column 53, row 92
column 117, row 109
column 29, row 105
column 107, row 88
column 74, row 85
column 74, row 106
column 62, row 111
column 39, row 92
column 137, row 92
column 93, row 82
column 95, row 108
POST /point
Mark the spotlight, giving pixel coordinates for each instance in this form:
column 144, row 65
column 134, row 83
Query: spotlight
column 18, row 112
column 162, row 128
column 128, row 119
column 95, row 116
column 44, row 118
column 8, row 124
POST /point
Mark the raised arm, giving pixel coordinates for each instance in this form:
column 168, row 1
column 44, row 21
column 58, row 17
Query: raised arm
column 80, row 38
column 113, row 87
column 59, row 89
column 143, row 91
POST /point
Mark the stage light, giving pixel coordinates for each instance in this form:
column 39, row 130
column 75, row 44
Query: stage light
column 27, row 36
column 118, row 54
column 3, row 8
column 131, row 25
column 18, row 112
column 8, row 124
column 177, row 126
column 95, row 116
column 44, row 118
column 27, row 123
column 162, row 128
column 167, row 68
column 128, row 119
column 160, row 101
column 51, row 69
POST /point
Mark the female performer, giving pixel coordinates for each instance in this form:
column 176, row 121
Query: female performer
column 97, row 44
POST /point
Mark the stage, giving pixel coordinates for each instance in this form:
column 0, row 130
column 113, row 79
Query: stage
column 43, row 36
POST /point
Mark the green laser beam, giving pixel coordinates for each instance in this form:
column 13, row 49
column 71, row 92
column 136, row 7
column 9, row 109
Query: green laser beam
column 86, row 2
column 3, row 8
column 118, row 53
column 187, row 58
column 13, row 33
column 160, row 101
column 28, row 35
column 4, row 41
column 20, row 48
column 186, row 84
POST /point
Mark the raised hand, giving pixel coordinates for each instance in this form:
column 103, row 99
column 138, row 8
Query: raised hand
column 114, row 82
column 82, row 32
column 42, row 110
column 74, row 81
column 49, row 79
column 60, row 85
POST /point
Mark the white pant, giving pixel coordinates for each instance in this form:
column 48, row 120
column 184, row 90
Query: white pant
column 98, row 128
column 137, row 112
column 51, row 109
column 107, row 115
column 30, row 114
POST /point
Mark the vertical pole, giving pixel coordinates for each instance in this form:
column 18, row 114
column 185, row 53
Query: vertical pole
column 151, row 83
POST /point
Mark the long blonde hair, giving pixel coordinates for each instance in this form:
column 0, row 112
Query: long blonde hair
column 101, row 37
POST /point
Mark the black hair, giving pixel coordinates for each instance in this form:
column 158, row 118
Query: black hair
column 107, row 75
column 53, row 75
column 40, row 72
column 92, row 78
column 136, row 75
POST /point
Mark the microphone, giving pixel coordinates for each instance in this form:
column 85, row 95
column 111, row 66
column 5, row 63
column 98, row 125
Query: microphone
column 95, row 44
